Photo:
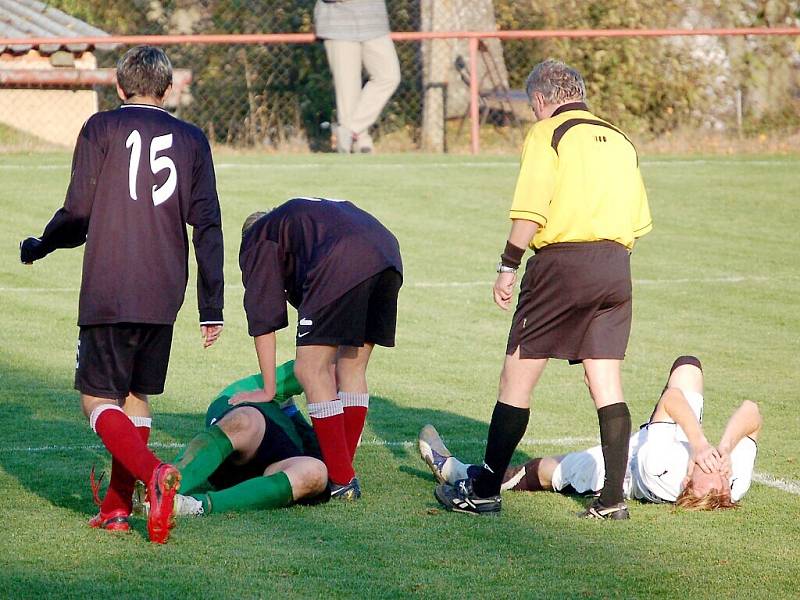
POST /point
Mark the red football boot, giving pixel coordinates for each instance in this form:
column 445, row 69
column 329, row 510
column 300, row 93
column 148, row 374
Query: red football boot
column 161, row 490
column 116, row 520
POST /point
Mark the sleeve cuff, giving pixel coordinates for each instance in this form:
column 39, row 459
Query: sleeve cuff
column 528, row 215
column 210, row 316
column 257, row 329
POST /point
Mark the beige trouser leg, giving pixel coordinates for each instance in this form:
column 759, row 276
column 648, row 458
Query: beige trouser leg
column 357, row 108
column 344, row 58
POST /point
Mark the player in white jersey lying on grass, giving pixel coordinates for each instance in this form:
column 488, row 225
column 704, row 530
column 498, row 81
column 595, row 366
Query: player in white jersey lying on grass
column 669, row 460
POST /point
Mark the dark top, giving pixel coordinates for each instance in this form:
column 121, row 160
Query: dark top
column 309, row 252
column 139, row 175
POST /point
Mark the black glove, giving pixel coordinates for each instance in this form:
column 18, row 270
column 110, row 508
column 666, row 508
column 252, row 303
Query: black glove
column 31, row 249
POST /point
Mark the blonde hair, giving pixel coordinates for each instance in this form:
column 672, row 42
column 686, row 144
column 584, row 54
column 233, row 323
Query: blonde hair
column 711, row 500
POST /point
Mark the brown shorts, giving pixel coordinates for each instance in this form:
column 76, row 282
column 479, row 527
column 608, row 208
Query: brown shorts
column 574, row 303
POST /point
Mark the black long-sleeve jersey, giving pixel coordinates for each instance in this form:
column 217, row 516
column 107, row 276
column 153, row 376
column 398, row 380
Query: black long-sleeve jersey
column 309, row 252
column 139, row 176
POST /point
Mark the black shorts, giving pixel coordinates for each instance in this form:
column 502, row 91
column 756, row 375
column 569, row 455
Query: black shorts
column 574, row 303
column 275, row 446
column 365, row 314
column 114, row 360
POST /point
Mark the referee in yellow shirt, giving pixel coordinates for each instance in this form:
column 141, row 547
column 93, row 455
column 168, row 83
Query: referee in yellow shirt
column 580, row 204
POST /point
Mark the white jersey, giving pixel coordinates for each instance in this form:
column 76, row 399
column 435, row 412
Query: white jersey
column 658, row 459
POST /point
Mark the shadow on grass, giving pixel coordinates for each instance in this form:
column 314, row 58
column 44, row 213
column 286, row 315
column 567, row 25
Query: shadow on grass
column 47, row 443
column 396, row 425
column 50, row 449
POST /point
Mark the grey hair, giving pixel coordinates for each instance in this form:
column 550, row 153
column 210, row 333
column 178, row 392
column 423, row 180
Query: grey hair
column 144, row 71
column 557, row 82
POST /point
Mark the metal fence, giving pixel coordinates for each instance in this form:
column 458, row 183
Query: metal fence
column 456, row 90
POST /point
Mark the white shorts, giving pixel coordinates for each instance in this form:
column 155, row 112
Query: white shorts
column 584, row 471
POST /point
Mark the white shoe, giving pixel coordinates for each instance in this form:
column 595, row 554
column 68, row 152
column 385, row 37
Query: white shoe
column 363, row 144
column 184, row 506
column 344, row 140
column 445, row 467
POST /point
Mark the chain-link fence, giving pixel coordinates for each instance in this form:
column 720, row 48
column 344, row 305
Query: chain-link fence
column 280, row 96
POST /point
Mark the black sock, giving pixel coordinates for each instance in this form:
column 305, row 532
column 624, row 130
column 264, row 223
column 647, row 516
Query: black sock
column 615, row 433
column 505, row 432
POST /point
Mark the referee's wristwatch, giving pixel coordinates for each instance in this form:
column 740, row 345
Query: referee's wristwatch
column 501, row 268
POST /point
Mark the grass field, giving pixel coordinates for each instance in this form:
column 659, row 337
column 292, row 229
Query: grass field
column 718, row 277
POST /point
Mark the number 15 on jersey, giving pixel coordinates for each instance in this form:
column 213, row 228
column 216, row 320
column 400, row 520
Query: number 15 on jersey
column 157, row 164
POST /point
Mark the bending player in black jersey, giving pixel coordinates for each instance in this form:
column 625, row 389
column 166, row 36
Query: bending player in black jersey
column 341, row 269
column 139, row 176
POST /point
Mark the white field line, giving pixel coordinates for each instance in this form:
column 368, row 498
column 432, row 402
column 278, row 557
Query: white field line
column 400, row 165
column 792, row 487
column 301, row 166
column 428, row 165
column 563, row 441
column 45, row 167
column 728, row 279
column 459, row 284
column 788, row 486
column 511, row 163
column 35, row 290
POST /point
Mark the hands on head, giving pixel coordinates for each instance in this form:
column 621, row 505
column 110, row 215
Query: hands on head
column 709, row 469
column 713, row 460
column 708, row 458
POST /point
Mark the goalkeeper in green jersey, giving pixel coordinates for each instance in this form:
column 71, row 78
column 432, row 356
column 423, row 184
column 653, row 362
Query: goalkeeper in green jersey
column 251, row 456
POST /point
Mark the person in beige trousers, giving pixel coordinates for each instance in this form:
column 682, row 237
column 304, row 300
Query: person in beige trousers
column 356, row 35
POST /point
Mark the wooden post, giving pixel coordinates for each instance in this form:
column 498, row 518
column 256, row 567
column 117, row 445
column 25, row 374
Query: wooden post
column 474, row 117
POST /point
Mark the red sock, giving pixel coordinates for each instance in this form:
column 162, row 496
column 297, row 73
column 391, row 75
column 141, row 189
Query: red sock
column 120, row 488
column 328, row 421
column 355, row 414
column 122, row 440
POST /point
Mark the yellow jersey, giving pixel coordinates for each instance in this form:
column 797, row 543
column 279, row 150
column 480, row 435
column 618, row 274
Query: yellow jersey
column 579, row 180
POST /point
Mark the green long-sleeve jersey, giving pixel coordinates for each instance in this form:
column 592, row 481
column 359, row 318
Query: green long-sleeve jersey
column 280, row 410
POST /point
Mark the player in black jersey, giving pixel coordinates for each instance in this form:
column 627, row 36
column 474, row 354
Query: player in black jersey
column 341, row 269
column 139, row 176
